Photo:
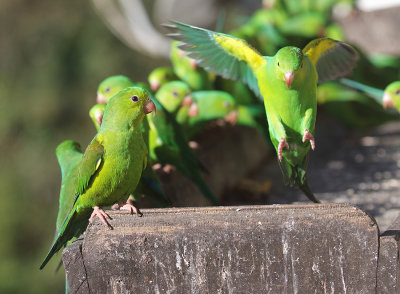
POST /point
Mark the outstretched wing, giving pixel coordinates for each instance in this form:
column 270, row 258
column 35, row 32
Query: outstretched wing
column 333, row 59
column 90, row 163
column 223, row 54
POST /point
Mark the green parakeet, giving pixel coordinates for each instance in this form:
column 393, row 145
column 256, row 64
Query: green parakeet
column 353, row 108
column 96, row 114
column 172, row 94
column 168, row 146
column 390, row 97
column 161, row 76
column 287, row 82
column 187, row 70
column 111, row 165
column 149, row 184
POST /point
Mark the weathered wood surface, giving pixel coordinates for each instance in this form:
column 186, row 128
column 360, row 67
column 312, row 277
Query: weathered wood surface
column 326, row 248
column 389, row 263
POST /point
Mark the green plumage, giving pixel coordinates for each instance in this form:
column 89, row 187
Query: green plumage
column 111, row 165
column 287, row 82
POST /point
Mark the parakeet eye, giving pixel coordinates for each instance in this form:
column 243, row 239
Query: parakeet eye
column 226, row 104
column 175, row 94
column 397, row 92
column 108, row 89
column 278, row 63
column 134, row 98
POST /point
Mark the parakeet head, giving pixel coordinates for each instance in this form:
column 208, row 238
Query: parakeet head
column 288, row 64
column 127, row 108
column 172, row 94
column 111, row 86
column 67, row 146
column 391, row 97
column 160, row 76
column 96, row 114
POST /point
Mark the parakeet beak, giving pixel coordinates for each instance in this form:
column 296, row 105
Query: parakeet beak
column 232, row 117
column 149, row 107
column 100, row 98
column 99, row 118
column 289, row 75
column 387, row 101
column 187, row 101
column 193, row 63
column 193, row 110
column 154, row 85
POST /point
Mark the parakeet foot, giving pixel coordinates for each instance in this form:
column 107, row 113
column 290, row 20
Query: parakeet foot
column 282, row 144
column 157, row 166
column 168, row 168
column 97, row 211
column 310, row 137
column 129, row 206
column 115, row 206
column 193, row 144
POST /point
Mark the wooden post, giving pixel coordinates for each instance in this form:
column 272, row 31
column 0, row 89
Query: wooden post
column 327, row 248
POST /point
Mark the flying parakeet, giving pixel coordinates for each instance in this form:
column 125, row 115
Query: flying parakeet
column 287, row 82
column 161, row 76
column 111, row 165
column 149, row 184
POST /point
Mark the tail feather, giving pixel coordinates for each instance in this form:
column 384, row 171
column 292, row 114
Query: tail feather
column 296, row 176
column 72, row 227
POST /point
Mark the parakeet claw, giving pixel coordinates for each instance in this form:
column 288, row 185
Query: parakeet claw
column 308, row 136
column 282, row 144
column 129, row 206
column 115, row 206
column 97, row 211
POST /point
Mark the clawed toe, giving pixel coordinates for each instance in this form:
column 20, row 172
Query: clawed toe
column 308, row 136
column 102, row 215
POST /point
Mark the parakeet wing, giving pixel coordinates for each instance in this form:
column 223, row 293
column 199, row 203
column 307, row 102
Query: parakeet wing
column 223, row 54
column 90, row 163
column 333, row 59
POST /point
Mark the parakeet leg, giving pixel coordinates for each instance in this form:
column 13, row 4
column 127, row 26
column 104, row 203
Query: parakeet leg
column 308, row 136
column 97, row 211
column 129, row 206
column 282, row 144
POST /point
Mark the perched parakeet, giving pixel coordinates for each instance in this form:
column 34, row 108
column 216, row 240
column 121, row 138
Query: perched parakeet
column 96, row 114
column 187, row 70
column 69, row 155
column 149, row 184
column 352, row 108
column 390, row 97
column 168, row 146
column 111, row 165
column 287, row 82
column 161, row 76
column 171, row 95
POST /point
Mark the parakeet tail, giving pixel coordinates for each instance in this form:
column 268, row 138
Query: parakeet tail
column 296, row 176
column 203, row 187
column 158, row 196
column 72, row 227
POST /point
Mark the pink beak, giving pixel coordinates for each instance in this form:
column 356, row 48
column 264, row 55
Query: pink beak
column 187, row 101
column 100, row 98
column 149, row 107
column 387, row 101
column 289, row 75
column 232, row 117
column 154, row 85
column 99, row 118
